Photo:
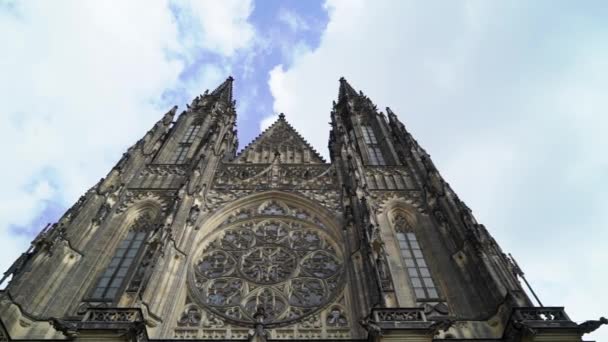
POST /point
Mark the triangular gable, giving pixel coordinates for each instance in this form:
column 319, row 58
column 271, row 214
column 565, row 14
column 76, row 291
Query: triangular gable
column 282, row 138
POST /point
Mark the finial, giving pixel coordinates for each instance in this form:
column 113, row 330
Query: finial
column 230, row 78
column 282, row 116
column 342, row 79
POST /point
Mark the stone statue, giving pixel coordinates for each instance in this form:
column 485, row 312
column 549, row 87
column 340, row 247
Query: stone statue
column 193, row 214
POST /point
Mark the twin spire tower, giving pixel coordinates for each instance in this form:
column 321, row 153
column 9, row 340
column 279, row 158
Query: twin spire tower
column 185, row 239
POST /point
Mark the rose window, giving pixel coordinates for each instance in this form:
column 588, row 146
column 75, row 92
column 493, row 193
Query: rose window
column 287, row 267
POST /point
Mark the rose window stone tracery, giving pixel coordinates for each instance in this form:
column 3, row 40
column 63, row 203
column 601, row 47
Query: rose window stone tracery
column 288, row 267
column 268, row 264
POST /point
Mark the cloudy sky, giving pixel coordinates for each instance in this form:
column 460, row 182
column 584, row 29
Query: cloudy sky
column 509, row 98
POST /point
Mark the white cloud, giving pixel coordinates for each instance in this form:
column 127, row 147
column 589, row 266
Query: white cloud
column 267, row 121
column 222, row 25
column 507, row 97
column 295, row 22
column 83, row 80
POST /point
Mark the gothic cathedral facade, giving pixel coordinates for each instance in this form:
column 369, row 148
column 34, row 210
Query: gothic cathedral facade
column 187, row 239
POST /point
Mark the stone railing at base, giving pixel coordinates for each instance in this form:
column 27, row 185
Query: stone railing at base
column 541, row 324
column 117, row 315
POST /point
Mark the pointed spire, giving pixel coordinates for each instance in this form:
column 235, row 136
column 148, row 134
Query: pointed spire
column 346, row 90
column 224, row 91
column 392, row 117
column 395, row 123
column 168, row 118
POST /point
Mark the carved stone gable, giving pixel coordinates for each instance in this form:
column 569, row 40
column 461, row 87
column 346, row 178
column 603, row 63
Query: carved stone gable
column 281, row 141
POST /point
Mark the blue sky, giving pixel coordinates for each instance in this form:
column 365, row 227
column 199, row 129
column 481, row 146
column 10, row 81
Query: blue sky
column 507, row 97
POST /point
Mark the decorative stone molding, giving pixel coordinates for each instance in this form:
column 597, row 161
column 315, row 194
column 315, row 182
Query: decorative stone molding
column 275, row 176
column 121, row 315
column 386, row 315
column 163, row 198
column 411, row 197
column 330, row 199
column 388, row 178
column 160, row 176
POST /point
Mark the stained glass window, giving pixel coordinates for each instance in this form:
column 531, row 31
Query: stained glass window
column 180, row 154
column 284, row 265
column 115, row 274
column 191, row 133
column 179, row 157
column 375, row 155
column 374, row 152
column 417, row 268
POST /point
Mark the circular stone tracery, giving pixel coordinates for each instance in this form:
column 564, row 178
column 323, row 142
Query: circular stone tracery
column 268, row 264
column 285, row 266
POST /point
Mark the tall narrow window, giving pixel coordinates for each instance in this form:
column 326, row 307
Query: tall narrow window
column 369, row 136
column 116, row 273
column 180, row 155
column 374, row 152
column 375, row 156
column 417, row 268
column 191, row 133
column 114, row 276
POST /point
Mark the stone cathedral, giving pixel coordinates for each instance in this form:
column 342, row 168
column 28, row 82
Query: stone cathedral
column 188, row 239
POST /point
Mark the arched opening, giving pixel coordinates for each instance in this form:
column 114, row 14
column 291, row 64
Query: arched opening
column 141, row 220
column 417, row 268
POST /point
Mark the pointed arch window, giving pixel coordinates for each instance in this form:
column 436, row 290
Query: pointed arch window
column 374, row 152
column 415, row 263
column 114, row 278
column 191, row 133
column 179, row 157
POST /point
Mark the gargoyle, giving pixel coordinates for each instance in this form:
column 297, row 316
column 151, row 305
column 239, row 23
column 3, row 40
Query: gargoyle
column 592, row 325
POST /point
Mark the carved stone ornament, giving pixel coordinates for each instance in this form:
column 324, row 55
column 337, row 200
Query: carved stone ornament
column 336, row 318
column 592, row 325
column 164, row 198
column 275, row 176
column 287, row 267
column 388, row 178
column 69, row 329
column 193, row 214
column 102, row 213
column 412, row 197
column 191, row 316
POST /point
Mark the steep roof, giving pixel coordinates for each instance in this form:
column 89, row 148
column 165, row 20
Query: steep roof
column 280, row 137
